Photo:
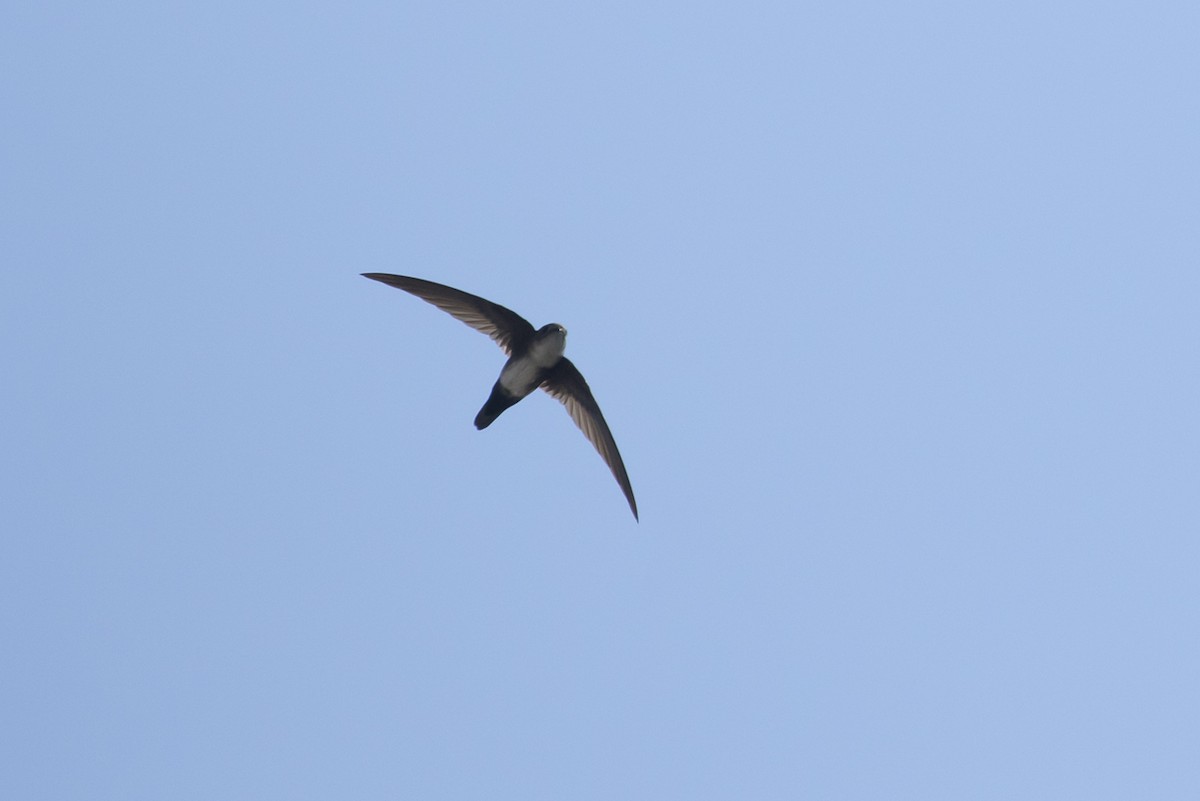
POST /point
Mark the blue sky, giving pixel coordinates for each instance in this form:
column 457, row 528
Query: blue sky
column 892, row 309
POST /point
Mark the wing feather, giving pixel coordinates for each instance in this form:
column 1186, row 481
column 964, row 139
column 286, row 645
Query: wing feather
column 508, row 329
column 566, row 384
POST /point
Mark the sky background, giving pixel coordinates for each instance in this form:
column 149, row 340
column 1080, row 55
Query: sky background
column 892, row 309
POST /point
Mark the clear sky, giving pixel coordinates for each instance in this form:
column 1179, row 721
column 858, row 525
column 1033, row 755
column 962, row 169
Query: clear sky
column 893, row 309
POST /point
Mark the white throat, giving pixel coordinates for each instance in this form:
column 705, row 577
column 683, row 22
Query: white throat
column 522, row 376
column 547, row 351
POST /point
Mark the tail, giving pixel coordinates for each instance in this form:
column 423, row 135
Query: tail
column 497, row 402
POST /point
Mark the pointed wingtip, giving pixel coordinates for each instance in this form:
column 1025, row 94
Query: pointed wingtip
column 386, row 278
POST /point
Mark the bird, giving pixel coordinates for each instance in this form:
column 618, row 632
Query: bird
column 535, row 359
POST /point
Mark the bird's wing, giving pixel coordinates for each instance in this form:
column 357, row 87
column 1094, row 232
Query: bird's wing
column 509, row 329
column 566, row 384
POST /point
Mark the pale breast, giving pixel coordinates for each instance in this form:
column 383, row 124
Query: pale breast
column 521, row 377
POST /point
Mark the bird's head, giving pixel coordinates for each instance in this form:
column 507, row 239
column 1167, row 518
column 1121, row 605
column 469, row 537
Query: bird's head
column 548, row 344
